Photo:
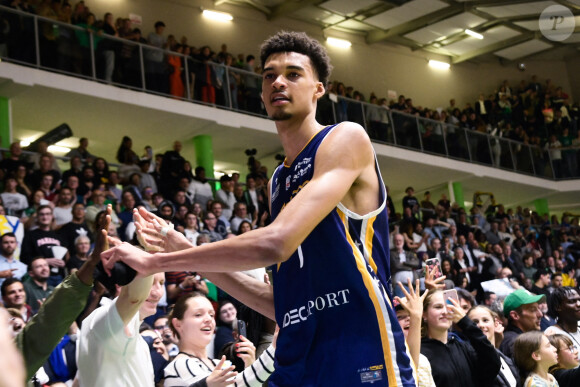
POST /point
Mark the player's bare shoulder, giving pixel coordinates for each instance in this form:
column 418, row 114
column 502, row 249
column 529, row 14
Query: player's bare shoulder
column 349, row 138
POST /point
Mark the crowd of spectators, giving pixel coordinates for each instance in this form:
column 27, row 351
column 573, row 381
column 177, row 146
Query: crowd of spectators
column 532, row 113
column 60, row 211
column 54, row 217
column 172, row 67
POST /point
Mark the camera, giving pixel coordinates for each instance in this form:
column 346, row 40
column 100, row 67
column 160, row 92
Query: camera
column 250, row 152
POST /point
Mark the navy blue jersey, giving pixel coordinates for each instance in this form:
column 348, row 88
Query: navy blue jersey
column 332, row 296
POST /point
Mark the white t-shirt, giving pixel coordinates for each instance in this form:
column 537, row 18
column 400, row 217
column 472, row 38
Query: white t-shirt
column 62, row 215
column 106, row 356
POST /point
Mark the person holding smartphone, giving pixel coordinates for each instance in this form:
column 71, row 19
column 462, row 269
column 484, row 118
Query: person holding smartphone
column 193, row 323
column 473, row 362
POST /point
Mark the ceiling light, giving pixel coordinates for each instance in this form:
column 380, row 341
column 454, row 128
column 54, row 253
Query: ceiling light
column 58, row 149
column 474, row 34
column 218, row 16
column 438, row 65
column 341, row 43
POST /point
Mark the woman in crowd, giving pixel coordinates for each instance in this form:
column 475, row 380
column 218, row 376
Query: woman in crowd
column 488, row 322
column 191, row 229
column 192, row 321
column 245, row 226
column 409, row 312
column 82, row 247
column 227, row 314
column 534, row 355
column 566, row 371
column 101, row 169
column 469, row 362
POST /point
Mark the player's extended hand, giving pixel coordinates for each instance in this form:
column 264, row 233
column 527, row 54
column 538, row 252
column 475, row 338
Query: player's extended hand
column 134, row 257
column 220, row 376
column 413, row 301
column 151, row 230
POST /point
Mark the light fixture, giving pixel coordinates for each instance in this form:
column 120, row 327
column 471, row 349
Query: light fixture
column 438, row 65
column 25, row 143
column 218, row 16
column 474, row 34
column 58, row 149
column 341, row 43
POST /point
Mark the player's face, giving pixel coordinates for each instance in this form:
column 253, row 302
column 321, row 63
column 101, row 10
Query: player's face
column 290, row 86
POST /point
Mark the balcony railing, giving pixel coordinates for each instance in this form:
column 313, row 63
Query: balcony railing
column 85, row 52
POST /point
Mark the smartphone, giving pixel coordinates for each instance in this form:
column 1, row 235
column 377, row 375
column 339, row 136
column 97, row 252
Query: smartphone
column 239, row 329
column 448, row 294
column 433, row 263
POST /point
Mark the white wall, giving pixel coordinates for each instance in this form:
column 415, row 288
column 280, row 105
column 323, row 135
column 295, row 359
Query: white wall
column 377, row 67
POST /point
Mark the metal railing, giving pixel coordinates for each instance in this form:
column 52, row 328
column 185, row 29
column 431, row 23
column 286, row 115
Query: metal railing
column 84, row 52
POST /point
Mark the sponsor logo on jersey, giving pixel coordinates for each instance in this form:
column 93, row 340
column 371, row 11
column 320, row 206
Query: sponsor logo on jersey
column 320, row 303
column 371, row 374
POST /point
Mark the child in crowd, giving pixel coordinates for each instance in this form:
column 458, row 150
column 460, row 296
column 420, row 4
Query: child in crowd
column 534, row 355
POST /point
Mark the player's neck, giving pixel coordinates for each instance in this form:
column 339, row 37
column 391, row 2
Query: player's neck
column 295, row 133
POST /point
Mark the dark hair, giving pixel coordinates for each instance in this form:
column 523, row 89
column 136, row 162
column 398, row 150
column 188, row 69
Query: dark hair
column 180, row 308
column 557, row 298
column 240, row 226
column 286, row 41
column 465, row 295
column 7, row 282
column 8, row 234
column 159, row 24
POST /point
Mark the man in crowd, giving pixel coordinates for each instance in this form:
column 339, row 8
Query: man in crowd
column 523, row 314
column 199, row 188
column 403, row 264
column 75, row 228
column 63, row 209
column 14, row 296
column 226, row 196
column 36, row 285
column 10, row 266
column 40, row 242
column 82, row 152
column 542, row 282
column 13, row 201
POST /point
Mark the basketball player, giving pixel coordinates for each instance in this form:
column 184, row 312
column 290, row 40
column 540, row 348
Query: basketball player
column 327, row 244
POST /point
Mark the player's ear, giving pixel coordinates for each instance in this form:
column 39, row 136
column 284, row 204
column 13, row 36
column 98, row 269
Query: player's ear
column 320, row 90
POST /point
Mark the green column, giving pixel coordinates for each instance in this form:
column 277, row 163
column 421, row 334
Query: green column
column 458, row 194
column 204, row 153
column 5, row 122
column 541, row 206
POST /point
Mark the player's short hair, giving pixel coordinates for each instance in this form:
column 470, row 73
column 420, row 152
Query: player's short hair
column 287, row 41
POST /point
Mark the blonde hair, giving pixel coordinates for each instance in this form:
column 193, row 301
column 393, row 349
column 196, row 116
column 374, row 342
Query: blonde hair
column 426, row 303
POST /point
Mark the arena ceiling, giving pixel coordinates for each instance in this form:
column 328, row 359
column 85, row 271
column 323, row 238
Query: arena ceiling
column 510, row 28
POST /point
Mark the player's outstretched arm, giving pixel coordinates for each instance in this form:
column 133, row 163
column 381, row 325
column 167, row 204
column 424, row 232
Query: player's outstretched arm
column 344, row 171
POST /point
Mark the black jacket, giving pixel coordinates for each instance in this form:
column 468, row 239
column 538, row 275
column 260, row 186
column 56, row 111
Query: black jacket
column 500, row 380
column 474, row 362
column 568, row 378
